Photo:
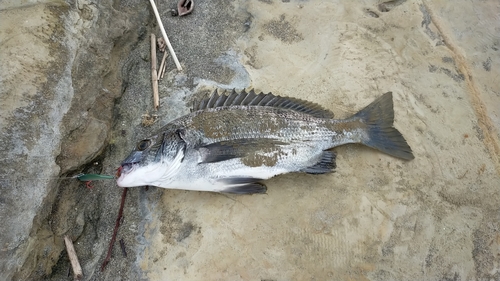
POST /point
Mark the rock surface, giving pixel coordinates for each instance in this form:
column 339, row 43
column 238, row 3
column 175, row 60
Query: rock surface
column 77, row 87
column 59, row 78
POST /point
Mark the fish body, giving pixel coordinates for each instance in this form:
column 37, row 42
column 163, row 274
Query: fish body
column 231, row 143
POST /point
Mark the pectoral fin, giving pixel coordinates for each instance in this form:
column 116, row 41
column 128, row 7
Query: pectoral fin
column 220, row 151
column 239, row 148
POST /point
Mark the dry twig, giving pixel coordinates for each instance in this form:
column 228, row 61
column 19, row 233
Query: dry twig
column 155, row 10
column 75, row 265
column 154, row 75
column 161, row 71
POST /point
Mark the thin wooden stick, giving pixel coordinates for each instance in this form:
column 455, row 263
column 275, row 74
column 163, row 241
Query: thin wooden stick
column 154, row 74
column 155, row 10
column 162, row 66
column 115, row 231
column 75, row 265
column 163, row 71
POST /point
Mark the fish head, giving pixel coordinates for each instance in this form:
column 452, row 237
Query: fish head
column 154, row 161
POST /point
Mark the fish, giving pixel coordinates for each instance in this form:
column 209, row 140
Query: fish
column 232, row 142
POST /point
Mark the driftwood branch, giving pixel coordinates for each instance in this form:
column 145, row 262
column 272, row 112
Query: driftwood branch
column 155, row 10
column 154, row 74
column 75, row 264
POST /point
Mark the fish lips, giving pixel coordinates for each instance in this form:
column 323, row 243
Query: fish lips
column 133, row 159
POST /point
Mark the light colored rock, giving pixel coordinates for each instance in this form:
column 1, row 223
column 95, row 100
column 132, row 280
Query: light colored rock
column 36, row 93
column 42, row 43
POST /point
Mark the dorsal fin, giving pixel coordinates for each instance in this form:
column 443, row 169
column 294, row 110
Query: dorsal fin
column 251, row 99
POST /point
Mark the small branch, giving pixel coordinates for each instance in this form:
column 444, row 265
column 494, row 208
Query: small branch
column 155, row 10
column 117, row 225
column 75, row 265
column 162, row 66
column 154, row 75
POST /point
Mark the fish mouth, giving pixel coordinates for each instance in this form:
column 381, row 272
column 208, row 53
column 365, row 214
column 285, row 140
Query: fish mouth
column 125, row 168
column 130, row 163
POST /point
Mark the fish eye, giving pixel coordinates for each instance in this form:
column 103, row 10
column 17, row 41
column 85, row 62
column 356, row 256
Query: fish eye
column 143, row 144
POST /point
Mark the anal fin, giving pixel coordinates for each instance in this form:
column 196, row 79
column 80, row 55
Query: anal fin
column 326, row 164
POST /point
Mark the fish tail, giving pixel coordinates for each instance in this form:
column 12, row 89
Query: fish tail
column 379, row 118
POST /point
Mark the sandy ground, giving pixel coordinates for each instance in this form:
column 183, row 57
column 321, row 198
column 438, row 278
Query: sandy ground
column 377, row 217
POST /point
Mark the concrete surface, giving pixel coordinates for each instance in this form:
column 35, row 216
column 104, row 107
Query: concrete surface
column 376, row 218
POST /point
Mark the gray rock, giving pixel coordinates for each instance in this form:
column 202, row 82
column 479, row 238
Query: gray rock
column 57, row 88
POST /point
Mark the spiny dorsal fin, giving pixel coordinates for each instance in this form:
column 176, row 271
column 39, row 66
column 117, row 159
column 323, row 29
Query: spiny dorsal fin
column 261, row 99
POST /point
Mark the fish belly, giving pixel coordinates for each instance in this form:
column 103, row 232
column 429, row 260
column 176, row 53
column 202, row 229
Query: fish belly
column 258, row 166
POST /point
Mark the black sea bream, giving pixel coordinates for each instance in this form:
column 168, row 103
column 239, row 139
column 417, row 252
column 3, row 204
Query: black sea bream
column 230, row 143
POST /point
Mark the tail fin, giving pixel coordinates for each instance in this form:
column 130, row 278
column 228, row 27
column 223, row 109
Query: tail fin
column 379, row 118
